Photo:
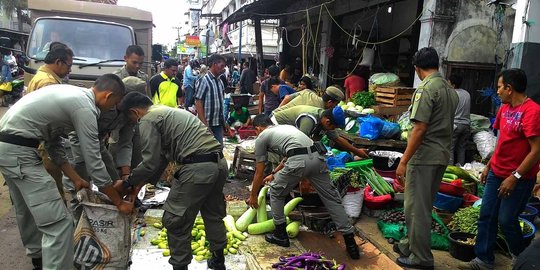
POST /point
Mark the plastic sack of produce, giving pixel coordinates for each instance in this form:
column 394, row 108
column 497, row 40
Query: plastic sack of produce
column 392, row 225
column 479, row 123
column 404, row 121
column 370, row 127
column 352, row 202
column 485, row 143
column 338, row 160
column 384, row 79
column 390, row 130
column 102, row 237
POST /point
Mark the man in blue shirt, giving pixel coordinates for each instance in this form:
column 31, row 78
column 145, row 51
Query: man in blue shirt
column 190, row 76
column 279, row 89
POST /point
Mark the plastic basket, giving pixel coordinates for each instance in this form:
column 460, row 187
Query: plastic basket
column 447, row 202
column 529, row 213
column 242, row 99
column 245, row 132
column 458, row 250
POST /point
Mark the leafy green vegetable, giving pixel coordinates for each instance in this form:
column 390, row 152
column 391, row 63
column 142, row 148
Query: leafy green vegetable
column 364, row 99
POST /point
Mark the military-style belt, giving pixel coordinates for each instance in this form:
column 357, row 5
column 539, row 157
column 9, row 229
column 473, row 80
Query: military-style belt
column 199, row 158
column 301, row 151
column 18, row 140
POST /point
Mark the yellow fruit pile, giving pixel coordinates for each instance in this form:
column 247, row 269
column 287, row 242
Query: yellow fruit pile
column 199, row 245
column 161, row 239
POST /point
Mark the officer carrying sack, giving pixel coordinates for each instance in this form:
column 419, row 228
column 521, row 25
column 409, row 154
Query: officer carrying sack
column 102, row 237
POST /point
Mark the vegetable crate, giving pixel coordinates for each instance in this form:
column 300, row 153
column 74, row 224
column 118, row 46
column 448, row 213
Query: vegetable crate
column 394, row 96
column 243, row 163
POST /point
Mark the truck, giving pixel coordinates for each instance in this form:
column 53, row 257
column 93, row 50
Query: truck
column 97, row 33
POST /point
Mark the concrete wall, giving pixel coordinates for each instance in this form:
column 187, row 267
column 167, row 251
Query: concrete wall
column 474, row 35
column 465, row 31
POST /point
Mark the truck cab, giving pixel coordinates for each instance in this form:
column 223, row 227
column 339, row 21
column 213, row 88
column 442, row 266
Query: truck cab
column 97, row 33
column 98, row 46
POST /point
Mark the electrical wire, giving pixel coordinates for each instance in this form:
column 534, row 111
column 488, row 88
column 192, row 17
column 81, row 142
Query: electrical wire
column 384, row 41
column 287, row 37
column 292, row 12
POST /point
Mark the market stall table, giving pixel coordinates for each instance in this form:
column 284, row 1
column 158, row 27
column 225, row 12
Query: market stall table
column 380, row 143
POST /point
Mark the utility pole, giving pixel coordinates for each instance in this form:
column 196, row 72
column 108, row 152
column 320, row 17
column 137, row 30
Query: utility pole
column 207, row 42
column 240, row 46
column 178, row 31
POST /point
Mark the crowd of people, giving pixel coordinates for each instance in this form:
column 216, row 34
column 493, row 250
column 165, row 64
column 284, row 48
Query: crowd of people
column 121, row 133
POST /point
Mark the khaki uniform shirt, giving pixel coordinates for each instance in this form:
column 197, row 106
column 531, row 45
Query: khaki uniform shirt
column 170, row 134
column 44, row 76
column 123, row 73
column 54, row 111
column 307, row 119
column 289, row 116
column 278, row 140
column 434, row 102
column 305, row 97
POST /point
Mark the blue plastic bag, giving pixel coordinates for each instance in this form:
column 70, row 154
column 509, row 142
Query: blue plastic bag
column 370, row 127
column 390, row 130
column 338, row 161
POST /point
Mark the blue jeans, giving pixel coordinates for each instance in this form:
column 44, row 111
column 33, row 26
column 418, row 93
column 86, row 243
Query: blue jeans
column 218, row 133
column 496, row 212
column 190, row 93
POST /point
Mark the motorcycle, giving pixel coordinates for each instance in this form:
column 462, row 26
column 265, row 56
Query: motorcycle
column 11, row 92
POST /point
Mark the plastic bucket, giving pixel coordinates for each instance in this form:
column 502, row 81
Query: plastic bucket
column 385, row 160
column 458, row 250
column 529, row 213
column 447, row 202
column 527, row 238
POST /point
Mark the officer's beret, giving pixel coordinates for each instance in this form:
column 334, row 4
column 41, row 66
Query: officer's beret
column 134, row 84
column 335, row 93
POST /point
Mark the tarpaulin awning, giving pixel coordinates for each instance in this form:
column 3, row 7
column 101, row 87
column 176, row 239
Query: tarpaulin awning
column 264, row 9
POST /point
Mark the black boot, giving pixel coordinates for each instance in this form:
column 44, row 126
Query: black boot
column 217, row 261
column 351, row 246
column 180, row 267
column 279, row 237
column 37, row 264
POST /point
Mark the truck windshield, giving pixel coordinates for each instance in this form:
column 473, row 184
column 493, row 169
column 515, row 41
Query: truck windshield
column 90, row 41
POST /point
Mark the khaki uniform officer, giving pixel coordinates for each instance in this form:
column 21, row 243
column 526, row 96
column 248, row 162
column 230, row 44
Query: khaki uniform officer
column 424, row 161
column 45, row 224
column 302, row 161
column 170, row 134
column 332, row 96
column 134, row 58
column 316, row 122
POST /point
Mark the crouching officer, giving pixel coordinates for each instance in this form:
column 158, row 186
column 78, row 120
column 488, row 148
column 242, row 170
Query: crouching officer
column 303, row 159
column 315, row 122
column 170, row 134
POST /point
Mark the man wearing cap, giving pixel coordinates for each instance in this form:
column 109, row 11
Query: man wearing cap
column 302, row 160
column 122, row 119
column 331, row 97
column 170, row 134
column 315, row 122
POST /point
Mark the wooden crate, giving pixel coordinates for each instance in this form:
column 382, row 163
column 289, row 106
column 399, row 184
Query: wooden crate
column 394, row 96
column 391, row 113
column 243, row 163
